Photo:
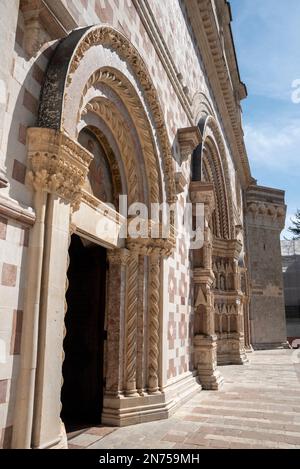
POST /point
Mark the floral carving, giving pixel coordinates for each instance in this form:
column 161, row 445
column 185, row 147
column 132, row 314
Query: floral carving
column 57, row 164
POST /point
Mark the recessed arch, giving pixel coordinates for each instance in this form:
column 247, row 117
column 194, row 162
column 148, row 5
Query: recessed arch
column 202, row 107
column 210, row 164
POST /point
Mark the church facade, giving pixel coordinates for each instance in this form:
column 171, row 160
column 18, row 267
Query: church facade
column 108, row 315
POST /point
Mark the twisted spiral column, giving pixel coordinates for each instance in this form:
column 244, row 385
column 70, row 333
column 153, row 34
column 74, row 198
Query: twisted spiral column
column 154, row 283
column 131, row 325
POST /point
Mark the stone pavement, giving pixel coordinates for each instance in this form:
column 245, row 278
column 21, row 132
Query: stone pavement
column 258, row 407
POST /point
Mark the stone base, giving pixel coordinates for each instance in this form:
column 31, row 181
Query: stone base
column 231, row 349
column 60, row 443
column 272, row 346
column 211, row 380
column 249, row 349
column 122, row 411
column 205, row 349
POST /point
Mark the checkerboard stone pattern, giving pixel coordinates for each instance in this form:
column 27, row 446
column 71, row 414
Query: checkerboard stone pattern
column 13, row 252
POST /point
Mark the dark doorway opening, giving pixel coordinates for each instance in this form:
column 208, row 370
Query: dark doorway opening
column 82, row 390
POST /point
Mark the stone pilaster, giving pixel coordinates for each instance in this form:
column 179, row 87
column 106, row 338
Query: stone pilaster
column 118, row 260
column 229, row 314
column 205, row 340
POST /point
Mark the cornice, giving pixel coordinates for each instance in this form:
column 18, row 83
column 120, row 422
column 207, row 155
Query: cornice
column 265, row 206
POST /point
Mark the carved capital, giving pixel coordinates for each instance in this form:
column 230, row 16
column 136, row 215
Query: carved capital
column 57, row 164
column 230, row 248
column 150, row 244
column 118, row 256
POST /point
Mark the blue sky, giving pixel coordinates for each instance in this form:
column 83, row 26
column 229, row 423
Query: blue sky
column 267, row 41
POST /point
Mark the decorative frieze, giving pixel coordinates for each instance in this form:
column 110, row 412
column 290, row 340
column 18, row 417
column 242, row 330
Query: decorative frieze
column 265, row 207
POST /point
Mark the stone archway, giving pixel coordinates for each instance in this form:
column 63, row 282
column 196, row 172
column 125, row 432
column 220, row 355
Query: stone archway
column 97, row 78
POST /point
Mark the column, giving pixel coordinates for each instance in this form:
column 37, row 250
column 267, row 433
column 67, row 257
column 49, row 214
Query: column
column 47, row 427
column 236, row 339
column 154, row 321
column 57, row 166
column 118, row 261
column 26, row 381
column 131, row 324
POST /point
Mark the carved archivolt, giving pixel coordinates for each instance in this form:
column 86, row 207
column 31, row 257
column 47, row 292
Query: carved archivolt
column 216, row 170
column 201, row 107
column 113, row 163
column 126, row 91
column 52, row 108
column 107, row 111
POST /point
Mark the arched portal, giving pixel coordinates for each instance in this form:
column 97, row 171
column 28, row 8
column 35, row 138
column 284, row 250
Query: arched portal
column 99, row 118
